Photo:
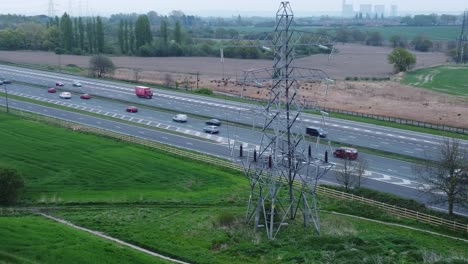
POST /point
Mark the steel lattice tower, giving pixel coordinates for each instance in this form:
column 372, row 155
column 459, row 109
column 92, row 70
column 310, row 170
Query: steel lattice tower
column 282, row 172
column 462, row 39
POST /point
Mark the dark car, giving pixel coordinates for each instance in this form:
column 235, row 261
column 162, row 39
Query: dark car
column 85, row 96
column 211, row 129
column 6, row 81
column 51, row 90
column 59, row 83
column 346, row 153
column 316, row 132
column 132, row 109
column 213, row 122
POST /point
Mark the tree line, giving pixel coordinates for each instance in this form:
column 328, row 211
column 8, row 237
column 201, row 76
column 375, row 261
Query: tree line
column 175, row 35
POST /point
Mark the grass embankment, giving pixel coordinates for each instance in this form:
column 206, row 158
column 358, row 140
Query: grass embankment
column 33, row 239
column 61, row 166
column 445, row 79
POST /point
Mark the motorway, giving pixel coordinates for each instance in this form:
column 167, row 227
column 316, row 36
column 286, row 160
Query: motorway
column 383, row 174
column 359, row 134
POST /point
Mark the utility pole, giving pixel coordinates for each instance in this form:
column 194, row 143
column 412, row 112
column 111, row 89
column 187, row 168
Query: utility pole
column 6, row 96
column 462, row 39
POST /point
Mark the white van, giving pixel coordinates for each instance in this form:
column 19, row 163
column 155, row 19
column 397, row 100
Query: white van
column 180, row 118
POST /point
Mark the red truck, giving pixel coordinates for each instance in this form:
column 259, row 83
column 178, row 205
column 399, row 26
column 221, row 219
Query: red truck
column 142, row 91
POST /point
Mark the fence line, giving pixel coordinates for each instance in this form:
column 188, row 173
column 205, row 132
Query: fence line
column 397, row 120
column 391, row 209
column 394, row 210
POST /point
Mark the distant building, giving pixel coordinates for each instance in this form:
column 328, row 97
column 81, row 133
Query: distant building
column 379, row 10
column 347, row 10
column 394, row 11
column 366, row 9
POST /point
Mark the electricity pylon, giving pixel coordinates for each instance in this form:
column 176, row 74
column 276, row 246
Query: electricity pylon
column 283, row 172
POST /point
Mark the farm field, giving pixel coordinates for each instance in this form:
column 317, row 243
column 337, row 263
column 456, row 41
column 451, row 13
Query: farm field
column 444, row 79
column 432, row 32
column 33, row 239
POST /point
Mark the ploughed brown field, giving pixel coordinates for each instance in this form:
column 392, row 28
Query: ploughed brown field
column 389, row 98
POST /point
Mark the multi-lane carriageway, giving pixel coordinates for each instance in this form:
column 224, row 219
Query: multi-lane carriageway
column 381, row 169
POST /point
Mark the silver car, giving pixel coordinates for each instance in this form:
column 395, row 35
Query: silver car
column 211, row 129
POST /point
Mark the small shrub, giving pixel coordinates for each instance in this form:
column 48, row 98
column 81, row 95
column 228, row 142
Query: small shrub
column 205, row 91
column 226, row 219
column 356, row 78
column 11, row 185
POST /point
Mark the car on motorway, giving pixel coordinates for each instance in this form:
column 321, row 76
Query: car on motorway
column 6, row 81
column 85, row 96
column 132, row 109
column 211, row 129
column 213, row 122
column 65, row 95
column 59, row 83
column 346, row 153
column 316, row 132
column 180, row 118
column 51, row 90
column 76, row 84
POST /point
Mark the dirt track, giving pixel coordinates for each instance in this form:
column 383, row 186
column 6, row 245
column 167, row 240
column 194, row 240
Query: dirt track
column 388, row 98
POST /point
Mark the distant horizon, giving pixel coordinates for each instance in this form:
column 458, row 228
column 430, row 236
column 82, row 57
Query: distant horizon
column 227, row 14
column 212, row 8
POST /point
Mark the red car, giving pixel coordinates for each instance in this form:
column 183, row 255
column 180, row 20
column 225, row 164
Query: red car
column 346, row 153
column 58, row 83
column 132, row 109
column 85, row 96
column 51, row 90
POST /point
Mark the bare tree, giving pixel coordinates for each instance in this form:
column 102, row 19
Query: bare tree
column 100, row 65
column 361, row 168
column 351, row 172
column 136, row 73
column 447, row 175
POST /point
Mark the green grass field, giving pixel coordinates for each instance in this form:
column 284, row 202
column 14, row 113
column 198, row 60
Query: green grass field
column 173, row 207
column 61, row 166
column 33, row 239
column 195, row 234
column 445, row 79
column 433, row 33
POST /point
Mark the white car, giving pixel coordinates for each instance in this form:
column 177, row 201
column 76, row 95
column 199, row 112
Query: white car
column 180, row 118
column 65, row 95
column 76, row 84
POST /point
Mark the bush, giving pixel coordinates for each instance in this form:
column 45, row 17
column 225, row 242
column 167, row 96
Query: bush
column 11, row 185
column 226, row 219
column 204, row 91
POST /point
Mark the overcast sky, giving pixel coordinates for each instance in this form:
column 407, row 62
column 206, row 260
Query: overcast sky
column 217, row 7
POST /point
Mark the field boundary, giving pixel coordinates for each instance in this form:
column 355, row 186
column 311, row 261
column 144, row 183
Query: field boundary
column 391, row 209
column 118, row 241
